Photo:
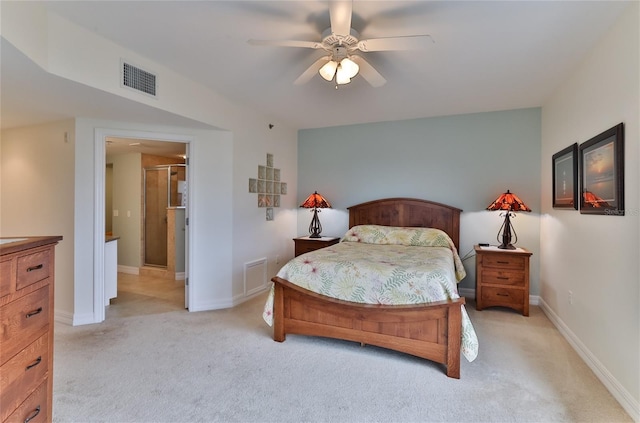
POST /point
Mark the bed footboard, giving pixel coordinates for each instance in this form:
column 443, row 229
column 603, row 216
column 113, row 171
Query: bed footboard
column 431, row 331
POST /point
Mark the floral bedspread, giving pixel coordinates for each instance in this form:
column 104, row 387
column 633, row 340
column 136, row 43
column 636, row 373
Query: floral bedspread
column 384, row 265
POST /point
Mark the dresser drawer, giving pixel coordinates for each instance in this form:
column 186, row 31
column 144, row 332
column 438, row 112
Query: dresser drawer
column 504, row 261
column 22, row 374
column 32, row 268
column 499, row 277
column 502, row 296
column 7, row 277
column 22, row 321
column 34, row 409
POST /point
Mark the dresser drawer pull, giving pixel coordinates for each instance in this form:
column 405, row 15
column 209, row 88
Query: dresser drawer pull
column 33, row 415
column 501, row 294
column 32, row 268
column 502, row 262
column 34, row 312
column 34, row 364
column 506, row 278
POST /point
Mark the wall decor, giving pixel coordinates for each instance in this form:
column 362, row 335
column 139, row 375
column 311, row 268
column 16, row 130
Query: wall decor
column 268, row 186
column 565, row 178
column 602, row 173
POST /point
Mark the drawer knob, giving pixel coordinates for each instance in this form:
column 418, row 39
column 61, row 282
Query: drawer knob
column 503, row 262
column 33, row 415
column 32, row 268
column 502, row 294
column 503, row 277
column 34, row 364
column 34, row 312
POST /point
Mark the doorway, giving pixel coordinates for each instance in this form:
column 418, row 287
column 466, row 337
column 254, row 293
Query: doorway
column 164, row 202
column 148, row 153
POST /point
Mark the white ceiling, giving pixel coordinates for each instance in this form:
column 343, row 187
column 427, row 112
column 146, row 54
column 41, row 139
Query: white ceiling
column 487, row 55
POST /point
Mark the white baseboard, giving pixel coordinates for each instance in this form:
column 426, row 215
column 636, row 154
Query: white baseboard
column 216, row 305
column 467, row 292
column 130, row 270
column 86, row 319
column 631, row 405
column 63, row 317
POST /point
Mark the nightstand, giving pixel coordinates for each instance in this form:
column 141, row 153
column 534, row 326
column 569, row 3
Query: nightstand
column 502, row 278
column 304, row 244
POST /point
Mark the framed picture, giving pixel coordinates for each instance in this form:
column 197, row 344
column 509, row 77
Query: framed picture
column 602, row 173
column 565, row 178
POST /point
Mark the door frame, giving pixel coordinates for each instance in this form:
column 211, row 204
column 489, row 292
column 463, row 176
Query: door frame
column 101, row 135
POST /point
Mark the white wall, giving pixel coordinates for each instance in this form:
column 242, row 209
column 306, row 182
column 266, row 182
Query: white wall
column 225, row 159
column 254, row 237
column 127, row 191
column 596, row 257
column 36, row 194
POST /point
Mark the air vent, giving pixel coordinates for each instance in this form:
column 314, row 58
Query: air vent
column 138, row 79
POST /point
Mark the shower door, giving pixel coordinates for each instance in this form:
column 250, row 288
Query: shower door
column 156, row 199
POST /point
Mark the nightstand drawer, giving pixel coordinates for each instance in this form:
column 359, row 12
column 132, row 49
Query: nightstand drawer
column 502, row 296
column 306, row 248
column 503, row 261
column 306, row 244
column 498, row 277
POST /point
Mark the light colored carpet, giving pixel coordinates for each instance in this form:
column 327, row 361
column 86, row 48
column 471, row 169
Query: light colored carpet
column 223, row 366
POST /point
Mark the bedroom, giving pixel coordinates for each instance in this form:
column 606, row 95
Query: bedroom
column 563, row 247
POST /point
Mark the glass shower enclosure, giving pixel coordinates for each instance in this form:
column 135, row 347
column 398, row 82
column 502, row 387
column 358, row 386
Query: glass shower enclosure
column 164, row 188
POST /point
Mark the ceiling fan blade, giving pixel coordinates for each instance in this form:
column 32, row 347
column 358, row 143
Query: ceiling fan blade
column 286, row 43
column 311, row 71
column 340, row 16
column 409, row 42
column 368, row 72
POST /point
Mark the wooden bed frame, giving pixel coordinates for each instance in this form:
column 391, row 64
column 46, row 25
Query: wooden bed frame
column 430, row 331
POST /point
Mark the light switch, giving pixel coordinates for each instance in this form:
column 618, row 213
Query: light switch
column 128, row 213
column 115, row 213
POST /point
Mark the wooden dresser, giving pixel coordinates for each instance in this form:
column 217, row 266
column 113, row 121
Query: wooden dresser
column 502, row 278
column 26, row 328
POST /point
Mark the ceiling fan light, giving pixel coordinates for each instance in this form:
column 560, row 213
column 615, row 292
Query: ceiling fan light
column 342, row 77
column 349, row 67
column 328, row 70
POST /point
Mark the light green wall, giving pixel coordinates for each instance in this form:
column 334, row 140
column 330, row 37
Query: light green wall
column 442, row 159
column 465, row 161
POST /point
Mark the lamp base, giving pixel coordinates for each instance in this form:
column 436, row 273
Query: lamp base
column 506, row 234
column 315, row 228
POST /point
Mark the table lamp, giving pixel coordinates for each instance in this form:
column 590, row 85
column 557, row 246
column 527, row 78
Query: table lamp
column 509, row 202
column 315, row 201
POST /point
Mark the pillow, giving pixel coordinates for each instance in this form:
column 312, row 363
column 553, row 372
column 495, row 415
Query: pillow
column 378, row 234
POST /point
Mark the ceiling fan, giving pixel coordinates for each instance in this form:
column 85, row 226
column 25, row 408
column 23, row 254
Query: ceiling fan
column 344, row 61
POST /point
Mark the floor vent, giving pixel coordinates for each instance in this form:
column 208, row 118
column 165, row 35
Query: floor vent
column 138, row 79
column 255, row 276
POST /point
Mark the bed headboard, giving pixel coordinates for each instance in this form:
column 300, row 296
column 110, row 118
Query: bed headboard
column 408, row 212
